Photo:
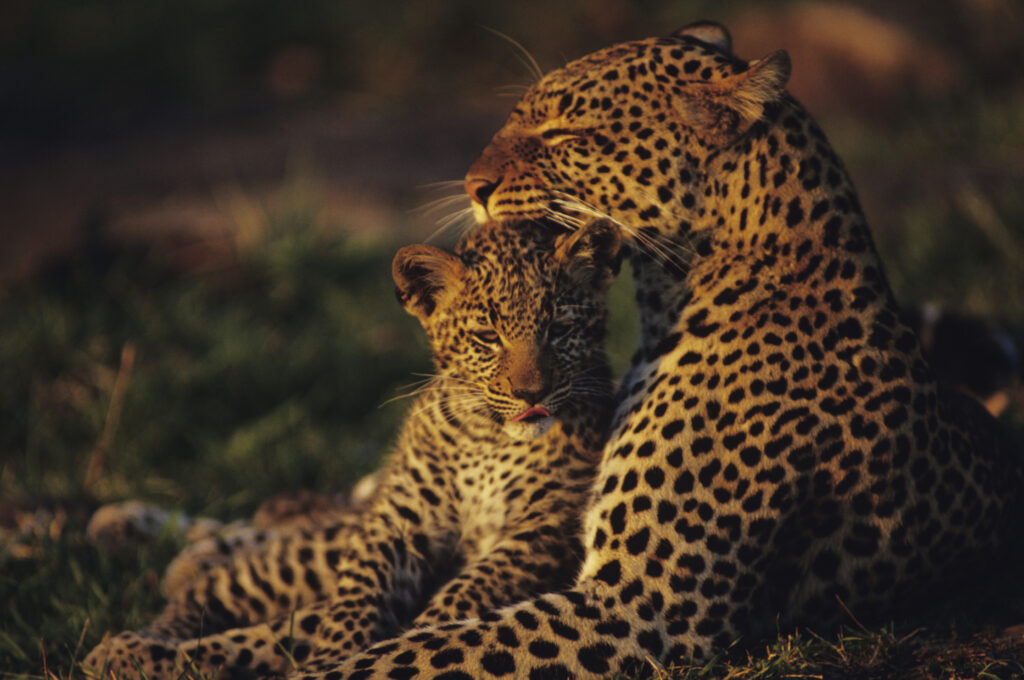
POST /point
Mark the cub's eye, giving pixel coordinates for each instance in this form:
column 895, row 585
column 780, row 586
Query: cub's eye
column 486, row 337
column 559, row 329
column 553, row 136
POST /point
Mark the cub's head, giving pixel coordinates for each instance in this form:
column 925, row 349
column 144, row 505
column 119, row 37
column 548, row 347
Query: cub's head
column 516, row 318
column 624, row 133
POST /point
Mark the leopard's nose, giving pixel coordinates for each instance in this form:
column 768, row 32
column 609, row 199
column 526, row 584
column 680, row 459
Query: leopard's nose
column 480, row 189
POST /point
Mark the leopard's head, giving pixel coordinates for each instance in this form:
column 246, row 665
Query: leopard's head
column 515, row 318
column 625, row 133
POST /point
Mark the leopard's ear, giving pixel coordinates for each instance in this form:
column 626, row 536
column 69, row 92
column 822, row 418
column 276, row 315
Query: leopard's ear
column 708, row 32
column 762, row 83
column 591, row 254
column 725, row 109
column 424, row 275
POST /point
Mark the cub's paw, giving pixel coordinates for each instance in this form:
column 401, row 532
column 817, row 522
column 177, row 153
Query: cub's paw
column 129, row 655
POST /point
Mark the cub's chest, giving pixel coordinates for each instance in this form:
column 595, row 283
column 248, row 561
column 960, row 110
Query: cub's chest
column 494, row 498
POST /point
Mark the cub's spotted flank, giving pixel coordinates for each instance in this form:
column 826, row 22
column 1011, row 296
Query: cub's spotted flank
column 480, row 504
column 780, row 442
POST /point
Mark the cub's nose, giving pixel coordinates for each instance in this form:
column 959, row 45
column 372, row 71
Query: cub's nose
column 530, row 396
column 480, row 189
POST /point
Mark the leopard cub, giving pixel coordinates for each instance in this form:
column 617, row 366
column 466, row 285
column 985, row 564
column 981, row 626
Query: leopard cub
column 479, row 505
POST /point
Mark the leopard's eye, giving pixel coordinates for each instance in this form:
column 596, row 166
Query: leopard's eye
column 555, row 136
column 487, row 337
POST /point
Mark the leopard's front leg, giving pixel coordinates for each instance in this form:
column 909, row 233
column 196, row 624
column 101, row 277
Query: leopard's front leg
column 287, row 572
column 293, row 570
column 523, row 563
column 583, row 633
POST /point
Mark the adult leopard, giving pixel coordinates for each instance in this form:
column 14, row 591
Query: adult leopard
column 480, row 505
column 780, row 443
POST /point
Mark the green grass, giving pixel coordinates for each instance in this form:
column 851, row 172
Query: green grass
column 246, row 382
column 250, row 379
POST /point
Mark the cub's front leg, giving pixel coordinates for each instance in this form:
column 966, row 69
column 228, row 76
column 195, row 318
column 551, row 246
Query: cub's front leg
column 350, row 584
column 513, row 571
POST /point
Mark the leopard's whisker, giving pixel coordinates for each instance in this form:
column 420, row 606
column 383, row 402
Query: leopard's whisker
column 464, row 215
column 444, row 184
column 421, row 390
column 512, row 90
column 657, row 251
column 524, row 56
column 449, row 376
column 442, row 202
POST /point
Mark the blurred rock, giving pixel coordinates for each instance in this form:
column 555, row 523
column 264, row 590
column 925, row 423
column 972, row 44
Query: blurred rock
column 28, row 521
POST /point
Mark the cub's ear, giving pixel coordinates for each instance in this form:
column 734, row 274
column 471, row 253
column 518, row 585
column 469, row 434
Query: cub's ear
column 590, row 255
column 424, row 275
column 727, row 108
column 708, row 32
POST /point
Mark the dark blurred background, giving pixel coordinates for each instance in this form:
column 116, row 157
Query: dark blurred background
column 153, row 118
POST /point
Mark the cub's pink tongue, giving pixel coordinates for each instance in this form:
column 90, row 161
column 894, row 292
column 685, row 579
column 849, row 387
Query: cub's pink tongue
column 532, row 412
